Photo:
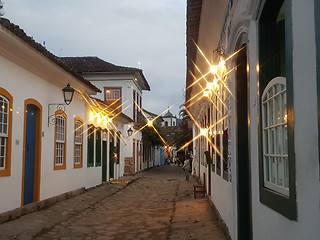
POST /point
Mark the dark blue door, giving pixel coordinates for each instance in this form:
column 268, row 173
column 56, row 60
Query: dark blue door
column 29, row 155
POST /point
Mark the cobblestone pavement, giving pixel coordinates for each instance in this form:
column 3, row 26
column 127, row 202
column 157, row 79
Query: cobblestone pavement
column 157, row 204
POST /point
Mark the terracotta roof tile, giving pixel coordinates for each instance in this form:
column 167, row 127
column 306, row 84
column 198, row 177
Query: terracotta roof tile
column 93, row 64
column 97, row 65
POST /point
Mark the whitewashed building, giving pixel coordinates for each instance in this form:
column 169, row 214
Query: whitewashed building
column 121, row 89
column 253, row 85
column 43, row 151
column 156, row 154
column 169, row 120
column 47, row 147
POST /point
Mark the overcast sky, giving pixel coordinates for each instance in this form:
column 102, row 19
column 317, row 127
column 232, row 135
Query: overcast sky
column 147, row 34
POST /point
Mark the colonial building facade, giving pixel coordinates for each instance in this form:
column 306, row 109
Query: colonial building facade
column 49, row 147
column 42, row 151
column 121, row 90
column 251, row 91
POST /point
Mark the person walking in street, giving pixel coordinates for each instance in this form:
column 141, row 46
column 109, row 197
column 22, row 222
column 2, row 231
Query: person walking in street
column 187, row 168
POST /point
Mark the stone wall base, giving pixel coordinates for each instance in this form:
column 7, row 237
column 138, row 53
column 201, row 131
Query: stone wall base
column 219, row 219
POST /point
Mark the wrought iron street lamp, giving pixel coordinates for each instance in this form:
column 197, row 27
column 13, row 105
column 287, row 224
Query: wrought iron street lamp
column 130, row 131
column 68, row 92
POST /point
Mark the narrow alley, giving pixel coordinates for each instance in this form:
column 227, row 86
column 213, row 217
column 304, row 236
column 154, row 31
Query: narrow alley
column 154, row 204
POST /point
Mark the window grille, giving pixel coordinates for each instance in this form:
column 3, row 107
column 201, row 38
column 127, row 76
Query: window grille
column 60, row 139
column 4, row 119
column 113, row 94
column 275, row 137
column 78, row 142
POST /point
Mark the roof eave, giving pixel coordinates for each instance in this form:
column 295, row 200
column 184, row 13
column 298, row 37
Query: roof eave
column 143, row 84
column 194, row 8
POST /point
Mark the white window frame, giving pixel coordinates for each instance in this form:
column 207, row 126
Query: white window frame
column 60, row 127
column 113, row 94
column 275, row 136
column 4, row 129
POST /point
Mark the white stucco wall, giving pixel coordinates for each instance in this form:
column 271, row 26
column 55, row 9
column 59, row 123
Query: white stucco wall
column 157, row 153
column 172, row 121
column 223, row 192
column 268, row 224
column 127, row 86
column 22, row 84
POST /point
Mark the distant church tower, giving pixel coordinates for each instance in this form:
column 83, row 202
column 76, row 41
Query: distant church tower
column 169, row 120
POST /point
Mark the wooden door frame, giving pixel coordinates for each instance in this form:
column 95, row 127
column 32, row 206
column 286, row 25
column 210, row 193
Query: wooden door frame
column 111, row 154
column 244, row 194
column 134, row 155
column 37, row 149
column 105, row 153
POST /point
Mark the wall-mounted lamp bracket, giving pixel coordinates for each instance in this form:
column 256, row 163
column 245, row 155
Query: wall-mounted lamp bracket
column 68, row 92
column 59, row 106
column 220, row 51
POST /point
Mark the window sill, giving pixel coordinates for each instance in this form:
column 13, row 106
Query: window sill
column 76, row 166
column 286, row 206
column 5, row 173
column 59, row 167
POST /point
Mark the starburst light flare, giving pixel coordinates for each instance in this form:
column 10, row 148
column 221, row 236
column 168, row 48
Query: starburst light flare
column 150, row 122
column 199, row 49
column 203, row 132
column 164, row 142
column 214, row 69
column 206, row 93
column 197, row 80
column 102, row 115
column 218, row 71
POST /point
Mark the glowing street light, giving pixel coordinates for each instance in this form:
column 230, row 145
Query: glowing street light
column 150, row 123
column 210, row 85
column 222, row 63
column 109, row 120
column 213, row 88
column 215, row 83
column 214, row 69
column 206, row 93
column 203, row 131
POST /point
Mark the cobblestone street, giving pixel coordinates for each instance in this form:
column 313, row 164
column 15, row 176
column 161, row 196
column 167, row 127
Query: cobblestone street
column 155, row 204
